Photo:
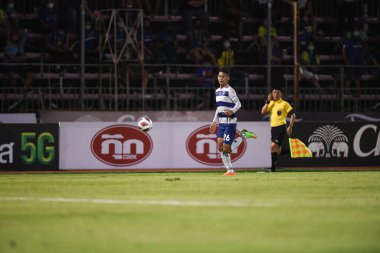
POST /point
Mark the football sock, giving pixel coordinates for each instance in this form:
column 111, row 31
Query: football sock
column 236, row 143
column 226, row 158
column 274, row 161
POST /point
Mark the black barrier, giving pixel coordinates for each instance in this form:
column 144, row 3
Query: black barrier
column 337, row 144
column 29, row 147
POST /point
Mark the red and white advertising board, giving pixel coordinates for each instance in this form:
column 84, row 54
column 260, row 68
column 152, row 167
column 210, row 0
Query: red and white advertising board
column 169, row 145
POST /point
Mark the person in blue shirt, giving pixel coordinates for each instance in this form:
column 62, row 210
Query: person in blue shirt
column 58, row 46
column 48, row 16
column 91, row 42
column 14, row 53
column 353, row 57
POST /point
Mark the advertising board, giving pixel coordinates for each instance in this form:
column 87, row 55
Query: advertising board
column 169, row 145
column 29, row 147
column 338, row 144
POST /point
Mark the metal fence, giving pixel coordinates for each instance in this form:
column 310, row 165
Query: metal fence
column 179, row 87
column 322, row 8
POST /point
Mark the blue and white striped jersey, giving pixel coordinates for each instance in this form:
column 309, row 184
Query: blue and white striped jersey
column 226, row 98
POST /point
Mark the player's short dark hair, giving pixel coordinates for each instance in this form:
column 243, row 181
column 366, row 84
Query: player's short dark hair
column 225, row 71
column 276, row 88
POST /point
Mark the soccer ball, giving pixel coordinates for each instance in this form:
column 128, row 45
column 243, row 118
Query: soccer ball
column 145, row 124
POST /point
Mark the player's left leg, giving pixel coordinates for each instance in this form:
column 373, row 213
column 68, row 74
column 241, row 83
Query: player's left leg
column 226, row 158
column 248, row 134
column 244, row 135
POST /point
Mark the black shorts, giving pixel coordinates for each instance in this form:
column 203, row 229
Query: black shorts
column 278, row 134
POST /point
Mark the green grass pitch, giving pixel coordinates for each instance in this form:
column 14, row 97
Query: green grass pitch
column 190, row 212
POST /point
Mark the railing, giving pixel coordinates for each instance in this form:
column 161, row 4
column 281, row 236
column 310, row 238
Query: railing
column 175, row 87
column 322, row 8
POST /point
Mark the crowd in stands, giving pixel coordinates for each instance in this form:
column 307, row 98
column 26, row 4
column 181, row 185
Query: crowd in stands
column 54, row 31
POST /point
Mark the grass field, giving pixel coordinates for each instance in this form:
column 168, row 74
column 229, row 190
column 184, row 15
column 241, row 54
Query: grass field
column 190, row 212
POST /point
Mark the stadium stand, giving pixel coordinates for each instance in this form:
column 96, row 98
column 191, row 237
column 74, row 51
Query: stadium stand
column 103, row 84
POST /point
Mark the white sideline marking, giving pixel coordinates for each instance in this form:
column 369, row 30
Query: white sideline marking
column 147, row 202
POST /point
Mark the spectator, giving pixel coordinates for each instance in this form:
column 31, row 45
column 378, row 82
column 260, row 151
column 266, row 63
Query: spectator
column 168, row 50
column 199, row 43
column 263, row 41
column 262, row 33
column 307, row 30
column 311, row 59
column 3, row 32
column 149, row 43
column 205, row 74
column 126, row 26
column 231, row 33
column 72, row 14
column 302, row 4
column 48, row 16
column 124, row 40
column 11, row 18
column 276, row 59
column 196, row 8
column 375, row 58
column 346, row 12
column 205, row 78
column 227, row 56
column 14, row 52
column 150, row 7
column 258, row 9
column 353, row 56
column 130, row 7
column 58, row 46
column 91, row 42
column 235, row 11
column 227, row 59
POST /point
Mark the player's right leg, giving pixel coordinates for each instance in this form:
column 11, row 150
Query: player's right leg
column 278, row 134
column 227, row 132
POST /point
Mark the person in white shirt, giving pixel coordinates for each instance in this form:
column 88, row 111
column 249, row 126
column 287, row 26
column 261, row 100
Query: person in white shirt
column 227, row 104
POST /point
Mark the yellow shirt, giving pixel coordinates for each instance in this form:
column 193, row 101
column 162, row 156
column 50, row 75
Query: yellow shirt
column 278, row 111
column 226, row 59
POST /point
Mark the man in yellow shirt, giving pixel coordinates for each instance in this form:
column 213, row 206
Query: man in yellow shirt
column 278, row 110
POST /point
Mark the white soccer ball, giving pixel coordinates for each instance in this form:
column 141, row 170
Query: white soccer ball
column 145, row 123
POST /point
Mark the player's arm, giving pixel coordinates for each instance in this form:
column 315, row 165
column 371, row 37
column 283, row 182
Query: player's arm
column 291, row 123
column 265, row 108
column 236, row 101
column 213, row 123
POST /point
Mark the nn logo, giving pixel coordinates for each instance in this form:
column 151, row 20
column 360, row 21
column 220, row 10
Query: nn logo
column 328, row 141
column 203, row 147
column 121, row 145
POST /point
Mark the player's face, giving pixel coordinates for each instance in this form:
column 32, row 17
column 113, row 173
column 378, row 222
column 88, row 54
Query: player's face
column 276, row 94
column 223, row 78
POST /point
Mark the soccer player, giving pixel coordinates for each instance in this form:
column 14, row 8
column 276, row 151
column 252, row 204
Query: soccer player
column 278, row 109
column 227, row 104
